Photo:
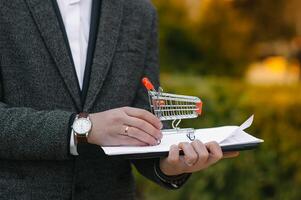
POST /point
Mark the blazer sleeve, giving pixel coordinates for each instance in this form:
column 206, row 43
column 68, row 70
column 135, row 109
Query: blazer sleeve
column 28, row 134
column 149, row 167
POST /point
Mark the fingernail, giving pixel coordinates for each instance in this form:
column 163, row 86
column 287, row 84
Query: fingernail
column 159, row 136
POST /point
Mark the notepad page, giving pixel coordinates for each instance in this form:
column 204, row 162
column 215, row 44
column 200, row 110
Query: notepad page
column 225, row 135
column 240, row 137
column 205, row 135
column 218, row 134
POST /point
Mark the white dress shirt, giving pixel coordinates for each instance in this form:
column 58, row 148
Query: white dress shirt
column 76, row 16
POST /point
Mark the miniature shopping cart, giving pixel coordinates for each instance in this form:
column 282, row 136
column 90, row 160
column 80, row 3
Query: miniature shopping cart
column 173, row 107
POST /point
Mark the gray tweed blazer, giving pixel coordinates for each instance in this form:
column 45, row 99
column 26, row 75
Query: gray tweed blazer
column 39, row 94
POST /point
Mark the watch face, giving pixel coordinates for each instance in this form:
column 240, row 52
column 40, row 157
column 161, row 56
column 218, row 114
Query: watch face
column 82, row 126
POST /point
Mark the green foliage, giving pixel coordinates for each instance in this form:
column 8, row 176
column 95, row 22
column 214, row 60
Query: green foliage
column 269, row 18
column 222, row 38
column 271, row 172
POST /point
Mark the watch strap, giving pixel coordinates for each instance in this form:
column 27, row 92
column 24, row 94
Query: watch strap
column 83, row 115
column 81, row 138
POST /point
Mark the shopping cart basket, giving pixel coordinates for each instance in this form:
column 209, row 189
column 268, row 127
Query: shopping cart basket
column 173, row 107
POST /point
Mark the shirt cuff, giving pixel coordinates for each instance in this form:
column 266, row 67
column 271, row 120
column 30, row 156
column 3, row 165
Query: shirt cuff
column 73, row 146
column 174, row 181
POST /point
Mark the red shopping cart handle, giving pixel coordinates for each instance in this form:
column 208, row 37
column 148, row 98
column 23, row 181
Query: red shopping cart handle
column 199, row 106
column 148, row 85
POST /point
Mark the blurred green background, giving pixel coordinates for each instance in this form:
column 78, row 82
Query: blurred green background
column 241, row 57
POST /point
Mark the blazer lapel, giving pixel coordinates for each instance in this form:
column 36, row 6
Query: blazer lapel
column 108, row 32
column 48, row 25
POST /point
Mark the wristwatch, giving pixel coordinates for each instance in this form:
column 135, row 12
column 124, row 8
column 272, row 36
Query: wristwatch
column 81, row 127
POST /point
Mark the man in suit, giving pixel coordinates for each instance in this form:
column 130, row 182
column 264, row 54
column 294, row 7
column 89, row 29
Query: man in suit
column 70, row 82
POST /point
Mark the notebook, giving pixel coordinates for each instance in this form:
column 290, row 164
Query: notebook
column 230, row 138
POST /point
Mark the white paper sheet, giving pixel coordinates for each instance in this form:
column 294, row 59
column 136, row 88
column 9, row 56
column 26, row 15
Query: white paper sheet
column 225, row 135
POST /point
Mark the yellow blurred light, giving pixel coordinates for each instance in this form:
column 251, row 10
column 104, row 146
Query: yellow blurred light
column 277, row 64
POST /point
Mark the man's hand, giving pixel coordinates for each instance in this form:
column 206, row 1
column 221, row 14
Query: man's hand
column 125, row 126
column 197, row 156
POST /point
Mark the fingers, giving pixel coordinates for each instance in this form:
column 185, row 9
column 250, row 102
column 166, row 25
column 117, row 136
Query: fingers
column 144, row 126
column 215, row 152
column 129, row 141
column 144, row 115
column 173, row 155
column 199, row 156
column 172, row 165
column 190, row 155
column 202, row 152
column 141, row 136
